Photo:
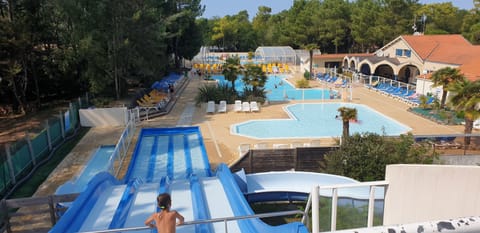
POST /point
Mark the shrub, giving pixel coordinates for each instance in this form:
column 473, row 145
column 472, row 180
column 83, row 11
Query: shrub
column 303, row 83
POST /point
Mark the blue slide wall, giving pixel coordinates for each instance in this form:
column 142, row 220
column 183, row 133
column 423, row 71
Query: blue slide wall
column 241, row 207
column 73, row 219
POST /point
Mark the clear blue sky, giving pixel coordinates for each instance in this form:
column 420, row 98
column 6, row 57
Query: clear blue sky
column 231, row 7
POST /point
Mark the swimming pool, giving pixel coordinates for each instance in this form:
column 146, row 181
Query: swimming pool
column 317, row 120
column 278, row 88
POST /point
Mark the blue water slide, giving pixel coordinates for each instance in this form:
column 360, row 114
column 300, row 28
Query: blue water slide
column 125, row 204
column 77, row 214
column 173, row 152
column 200, row 209
column 241, row 208
column 100, row 161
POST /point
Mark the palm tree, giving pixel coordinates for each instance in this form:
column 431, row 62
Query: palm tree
column 255, row 77
column 231, row 70
column 445, row 77
column 310, row 48
column 466, row 100
column 347, row 115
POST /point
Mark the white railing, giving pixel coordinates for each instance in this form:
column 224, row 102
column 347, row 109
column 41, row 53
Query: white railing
column 314, row 203
column 225, row 220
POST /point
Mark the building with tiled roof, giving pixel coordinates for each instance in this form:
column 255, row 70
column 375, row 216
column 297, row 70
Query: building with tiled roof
column 412, row 58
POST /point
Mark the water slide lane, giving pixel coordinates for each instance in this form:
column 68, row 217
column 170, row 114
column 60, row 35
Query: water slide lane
column 144, row 205
column 99, row 188
column 182, row 202
column 125, row 203
column 188, row 157
column 200, row 209
column 200, row 163
column 140, row 158
column 217, row 203
column 179, row 162
column 241, row 207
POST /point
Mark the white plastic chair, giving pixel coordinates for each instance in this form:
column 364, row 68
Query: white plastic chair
column 243, row 149
column 210, row 107
column 254, row 106
column 222, row 107
column 238, row 106
column 246, row 107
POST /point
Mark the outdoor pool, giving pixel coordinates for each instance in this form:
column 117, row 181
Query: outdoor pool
column 317, row 120
column 278, row 88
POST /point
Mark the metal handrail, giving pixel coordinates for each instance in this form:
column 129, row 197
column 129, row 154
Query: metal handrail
column 225, row 220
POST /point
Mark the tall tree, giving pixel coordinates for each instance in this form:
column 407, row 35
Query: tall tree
column 334, row 17
column 347, row 114
column 445, row 77
column 364, row 16
column 466, row 99
column 440, row 18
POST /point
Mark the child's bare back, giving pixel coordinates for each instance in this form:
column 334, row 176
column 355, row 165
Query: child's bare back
column 166, row 220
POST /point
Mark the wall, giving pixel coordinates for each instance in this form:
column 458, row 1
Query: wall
column 103, row 117
column 419, row 193
column 299, row 159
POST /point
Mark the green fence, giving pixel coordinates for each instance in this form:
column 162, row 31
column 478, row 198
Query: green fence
column 17, row 160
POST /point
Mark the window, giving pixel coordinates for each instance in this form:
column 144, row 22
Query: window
column 399, row 52
column 403, row 53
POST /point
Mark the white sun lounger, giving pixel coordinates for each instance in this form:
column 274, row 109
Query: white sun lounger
column 243, row 149
column 238, row 106
column 254, row 106
column 210, row 107
column 222, row 107
column 261, row 145
column 246, row 107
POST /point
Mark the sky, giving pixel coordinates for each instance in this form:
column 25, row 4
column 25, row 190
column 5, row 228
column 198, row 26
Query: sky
column 221, row 8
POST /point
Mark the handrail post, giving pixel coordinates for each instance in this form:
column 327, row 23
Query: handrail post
column 333, row 222
column 315, row 209
column 307, row 209
column 226, row 226
column 371, row 206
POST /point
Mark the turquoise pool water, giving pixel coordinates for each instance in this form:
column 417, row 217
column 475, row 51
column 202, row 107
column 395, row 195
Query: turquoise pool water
column 278, row 88
column 317, row 120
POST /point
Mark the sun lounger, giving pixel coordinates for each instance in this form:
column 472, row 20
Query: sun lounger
column 254, row 106
column 246, row 107
column 314, row 143
column 281, row 146
column 243, row 149
column 238, row 106
column 261, row 145
column 222, row 107
column 296, row 144
column 210, row 107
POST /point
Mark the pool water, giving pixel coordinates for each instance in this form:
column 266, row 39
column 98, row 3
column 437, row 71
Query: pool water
column 317, row 120
column 278, row 88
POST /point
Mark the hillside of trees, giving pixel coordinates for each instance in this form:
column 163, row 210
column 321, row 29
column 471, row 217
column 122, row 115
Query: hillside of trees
column 59, row 49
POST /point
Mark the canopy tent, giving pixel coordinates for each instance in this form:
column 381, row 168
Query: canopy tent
column 283, row 54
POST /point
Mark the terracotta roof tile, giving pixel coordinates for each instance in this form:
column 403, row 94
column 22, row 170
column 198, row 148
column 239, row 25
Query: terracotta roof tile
column 471, row 69
column 438, row 48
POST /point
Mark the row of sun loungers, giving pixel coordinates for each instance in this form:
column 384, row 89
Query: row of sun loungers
column 239, row 106
column 251, row 106
column 245, row 147
column 400, row 93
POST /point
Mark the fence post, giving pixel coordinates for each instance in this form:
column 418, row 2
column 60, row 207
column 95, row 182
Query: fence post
column 315, row 209
column 62, row 125
column 51, row 206
column 10, row 164
column 30, row 148
column 6, row 217
column 49, row 140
